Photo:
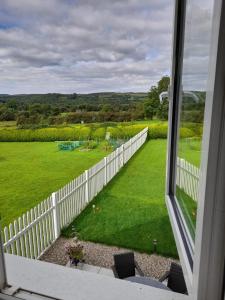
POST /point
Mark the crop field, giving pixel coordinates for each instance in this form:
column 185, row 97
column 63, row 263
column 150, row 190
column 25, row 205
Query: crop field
column 30, row 172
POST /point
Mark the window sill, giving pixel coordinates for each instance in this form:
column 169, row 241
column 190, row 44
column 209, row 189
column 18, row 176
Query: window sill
column 65, row 283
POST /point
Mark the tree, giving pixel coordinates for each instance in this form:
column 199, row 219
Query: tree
column 7, row 115
column 152, row 106
column 12, row 104
column 163, row 84
column 163, row 110
column 35, row 109
column 106, row 108
column 148, row 109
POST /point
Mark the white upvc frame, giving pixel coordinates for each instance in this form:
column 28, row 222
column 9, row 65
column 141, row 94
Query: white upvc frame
column 178, row 224
column 203, row 269
column 210, row 231
column 3, row 280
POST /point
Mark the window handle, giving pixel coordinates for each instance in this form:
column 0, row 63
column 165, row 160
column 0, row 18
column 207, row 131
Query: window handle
column 165, row 95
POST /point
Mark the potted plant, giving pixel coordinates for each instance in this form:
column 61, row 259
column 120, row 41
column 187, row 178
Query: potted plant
column 75, row 252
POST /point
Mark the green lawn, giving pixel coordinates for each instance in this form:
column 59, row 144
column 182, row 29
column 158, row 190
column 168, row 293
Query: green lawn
column 190, row 149
column 189, row 208
column 30, row 172
column 130, row 212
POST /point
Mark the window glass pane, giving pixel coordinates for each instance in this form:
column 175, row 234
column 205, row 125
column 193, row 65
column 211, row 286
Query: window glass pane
column 198, row 25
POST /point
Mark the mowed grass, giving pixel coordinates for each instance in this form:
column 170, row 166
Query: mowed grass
column 190, row 150
column 30, row 172
column 130, row 212
column 189, row 208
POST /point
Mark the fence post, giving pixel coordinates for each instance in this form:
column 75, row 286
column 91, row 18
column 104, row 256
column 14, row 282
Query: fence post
column 178, row 171
column 105, row 169
column 130, row 147
column 118, row 159
column 56, row 220
column 122, row 160
column 182, row 176
column 87, row 186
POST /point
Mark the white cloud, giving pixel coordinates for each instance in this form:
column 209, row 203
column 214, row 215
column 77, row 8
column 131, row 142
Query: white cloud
column 197, row 46
column 84, row 46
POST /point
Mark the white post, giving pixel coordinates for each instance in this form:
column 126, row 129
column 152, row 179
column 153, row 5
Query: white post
column 121, row 155
column 117, row 160
column 105, row 169
column 182, row 177
column 56, row 220
column 130, row 149
column 87, row 186
column 178, row 171
column 3, row 281
column 124, row 151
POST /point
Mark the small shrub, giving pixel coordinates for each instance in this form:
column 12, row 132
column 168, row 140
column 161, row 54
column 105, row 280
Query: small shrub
column 106, row 146
column 90, row 144
column 115, row 132
column 130, row 131
column 158, row 131
column 124, row 131
column 98, row 133
column 75, row 251
column 84, row 133
column 186, row 133
column 197, row 128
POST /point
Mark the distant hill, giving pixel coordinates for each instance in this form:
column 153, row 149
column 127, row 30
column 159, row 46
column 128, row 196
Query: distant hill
column 76, row 99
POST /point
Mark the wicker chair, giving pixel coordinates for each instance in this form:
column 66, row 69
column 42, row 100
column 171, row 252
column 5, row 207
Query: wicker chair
column 125, row 265
column 175, row 279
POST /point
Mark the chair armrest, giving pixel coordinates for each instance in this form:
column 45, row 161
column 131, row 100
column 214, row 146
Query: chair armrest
column 165, row 276
column 114, row 272
column 138, row 268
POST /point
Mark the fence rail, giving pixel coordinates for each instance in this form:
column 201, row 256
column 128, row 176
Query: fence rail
column 188, row 178
column 31, row 234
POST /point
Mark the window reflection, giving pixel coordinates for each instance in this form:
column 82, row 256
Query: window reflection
column 192, row 103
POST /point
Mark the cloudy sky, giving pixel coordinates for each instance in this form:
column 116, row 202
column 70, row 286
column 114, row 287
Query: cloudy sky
column 84, row 45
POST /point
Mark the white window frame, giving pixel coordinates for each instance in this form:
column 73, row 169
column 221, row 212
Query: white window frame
column 203, row 266
column 3, row 280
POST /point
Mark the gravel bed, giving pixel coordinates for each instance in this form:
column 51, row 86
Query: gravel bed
column 102, row 255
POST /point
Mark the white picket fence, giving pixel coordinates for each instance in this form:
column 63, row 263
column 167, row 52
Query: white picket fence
column 188, row 178
column 31, row 234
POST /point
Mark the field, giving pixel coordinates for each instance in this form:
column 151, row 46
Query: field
column 130, row 212
column 32, row 171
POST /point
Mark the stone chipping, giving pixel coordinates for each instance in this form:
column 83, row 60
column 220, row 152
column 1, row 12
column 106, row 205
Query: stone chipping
column 102, row 255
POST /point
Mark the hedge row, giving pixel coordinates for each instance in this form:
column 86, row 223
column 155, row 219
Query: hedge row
column 124, row 132
column 160, row 132
column 45, row 134
column 86, row 132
